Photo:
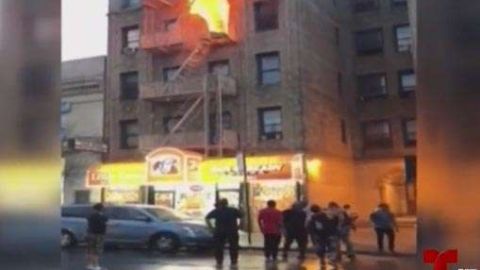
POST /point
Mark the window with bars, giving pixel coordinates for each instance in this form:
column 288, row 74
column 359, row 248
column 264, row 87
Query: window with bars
column 403, row 38
column 410, row 132
column 377, row 133
column 270, row 123
column 129, row 134
column 268, row 68
column 372, row 86
column 131, row 37
column 266, row 15
column 407, row 82
column 365, row 5
column 369, row 41
column 129, row 85
column 221, row 67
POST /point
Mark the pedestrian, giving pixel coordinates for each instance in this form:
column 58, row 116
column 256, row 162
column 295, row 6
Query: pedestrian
column 346, row 227
column 270, row 223
column 385, row 224
column 324, row 233
column 225, row 231
column 97, row 227
column 294, row 221
column 334, row 212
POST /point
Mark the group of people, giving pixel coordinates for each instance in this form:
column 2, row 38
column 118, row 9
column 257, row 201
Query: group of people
column 327, row 228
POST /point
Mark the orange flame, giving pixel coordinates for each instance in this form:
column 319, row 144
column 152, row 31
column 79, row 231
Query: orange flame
column 215, row 12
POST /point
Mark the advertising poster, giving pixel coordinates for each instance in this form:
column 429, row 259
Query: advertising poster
column 195, row 201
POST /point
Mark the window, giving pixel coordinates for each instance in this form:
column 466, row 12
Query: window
column 76, row 211
column 169, row 72
column 377, row 134
column 270, row 123
column 170, row 24
column 170, row 122
column 266, row 15
column 403, row 38
column 369, row 41
column 372, row 86
column 339, row 84
column 365, row 5
column 129, row 85
column 221, row 67
column 130, row 4
column 408, row 82
column 410, row 169
column 131, row 37
column 123, row 213
column 343, row 129
column 129, row 134
column 410, row 132
column 268, row 67
column 399, row 3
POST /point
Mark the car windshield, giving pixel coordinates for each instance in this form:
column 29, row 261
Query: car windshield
column 165, row 214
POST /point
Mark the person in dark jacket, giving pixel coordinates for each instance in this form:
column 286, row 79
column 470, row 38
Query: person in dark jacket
column 294, row 222
column 385, row 224
column 225, row 230
column 324, row 233
column 97, row 227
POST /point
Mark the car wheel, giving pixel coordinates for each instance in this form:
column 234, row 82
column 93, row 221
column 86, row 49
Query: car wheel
column 165, row 243
column 67, row 240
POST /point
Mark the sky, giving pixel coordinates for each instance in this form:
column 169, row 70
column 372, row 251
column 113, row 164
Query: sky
column 84, row 28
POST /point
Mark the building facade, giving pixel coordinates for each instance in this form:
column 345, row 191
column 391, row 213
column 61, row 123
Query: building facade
column 82, row 100
column 325, row 79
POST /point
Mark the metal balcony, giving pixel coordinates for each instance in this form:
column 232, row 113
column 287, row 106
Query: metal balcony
column 162, row 42
column 187, row 87
column 188, row 140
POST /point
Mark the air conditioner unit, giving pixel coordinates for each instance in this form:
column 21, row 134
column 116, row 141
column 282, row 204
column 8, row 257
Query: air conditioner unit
column 129, row 50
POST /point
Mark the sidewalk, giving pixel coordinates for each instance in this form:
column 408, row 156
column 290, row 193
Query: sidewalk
column 364, row 240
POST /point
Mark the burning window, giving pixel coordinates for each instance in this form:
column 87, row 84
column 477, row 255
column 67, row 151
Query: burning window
column 216, row 13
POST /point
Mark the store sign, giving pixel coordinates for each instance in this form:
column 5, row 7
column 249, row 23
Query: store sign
column 116, row 175
column 166, row 165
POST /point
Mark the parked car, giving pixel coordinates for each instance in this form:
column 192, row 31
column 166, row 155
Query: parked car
column 149, row 226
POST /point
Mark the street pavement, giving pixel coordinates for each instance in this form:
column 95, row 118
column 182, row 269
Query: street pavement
column 73, row 259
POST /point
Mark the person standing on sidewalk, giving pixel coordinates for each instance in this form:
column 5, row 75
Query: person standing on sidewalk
column 324, row 233
column 270, row 223
column 225, row 230
column 294, row 221
column 346, row 227
column 97, row 227
column 385, row 224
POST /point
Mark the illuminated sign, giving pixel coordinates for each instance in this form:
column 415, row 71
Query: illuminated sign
column 116, row 175
column 216, row 13
column 166, row 165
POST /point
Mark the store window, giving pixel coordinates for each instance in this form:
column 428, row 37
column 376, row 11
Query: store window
column 410, row 132
column 169, row 73
column 268, row 67
column 408, row 82
column 369, row 41
column 129, row 134
column 129, row 85
column 343, row 130
column 372, row 86
column 403, row 38
column 270, row 120
column 399, row 3
column 131, row 38
column 377, row 133
column 266, row 15
column 221, row 67
column 365, row 5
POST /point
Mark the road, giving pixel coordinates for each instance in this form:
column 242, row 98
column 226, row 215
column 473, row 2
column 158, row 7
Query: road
column 249, row 260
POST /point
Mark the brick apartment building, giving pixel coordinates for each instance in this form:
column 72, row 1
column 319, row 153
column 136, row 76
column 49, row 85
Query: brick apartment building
column 331, row 79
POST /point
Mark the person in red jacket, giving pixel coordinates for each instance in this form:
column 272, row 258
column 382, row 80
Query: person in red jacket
column 270, row 223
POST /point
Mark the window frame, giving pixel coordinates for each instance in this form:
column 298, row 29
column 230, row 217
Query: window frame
column 125, row 40
column 165, row 71
column 357, row 4
column 406, row 140
column 166, row 121
column 401, row 88
column 260, row 71
column 125, row 92
column 361, row 94
column 366, row 52
column 271, row 136
column 124, row 137
column 396, row 4
column 386, row 142
column 212, row 64
column 396, row 40
column 263, row 24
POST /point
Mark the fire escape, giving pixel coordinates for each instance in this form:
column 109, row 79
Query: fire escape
column 189, row 91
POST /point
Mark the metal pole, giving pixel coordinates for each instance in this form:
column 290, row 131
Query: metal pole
column 220, row 116
column 247, row 198
column 206, row 116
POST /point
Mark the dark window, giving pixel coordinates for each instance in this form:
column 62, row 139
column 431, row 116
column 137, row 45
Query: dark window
column 377, row 134
column 410, row 169
column 221, row 67
column 169, row 73
column 372, row 86
column 170, row 24
column 124, row 213
column 403, row 38
column 399, row 3
column 82, row 196
column 266, row 15
column 76, row 211
column 407, row 82
column 169, row 122
column 270, row 122
column 130, row 4
column 410, row 132
column 129, row 134
column 131, row 37
column 339, row 84
column 129, row 85
column 343, row 129
column 268, row 67
column 369, row 41
column 365, row 5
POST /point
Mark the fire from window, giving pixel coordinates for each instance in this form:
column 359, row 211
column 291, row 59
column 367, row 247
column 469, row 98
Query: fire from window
column 215, row 12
